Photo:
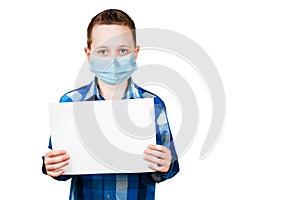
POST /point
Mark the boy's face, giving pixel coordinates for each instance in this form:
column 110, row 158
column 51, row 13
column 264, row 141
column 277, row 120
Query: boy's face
column 111, row 41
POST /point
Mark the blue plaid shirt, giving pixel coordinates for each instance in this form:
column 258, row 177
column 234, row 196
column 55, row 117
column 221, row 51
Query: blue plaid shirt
column 131, row 186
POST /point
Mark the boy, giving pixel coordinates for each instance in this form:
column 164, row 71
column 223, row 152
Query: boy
column 113, row 61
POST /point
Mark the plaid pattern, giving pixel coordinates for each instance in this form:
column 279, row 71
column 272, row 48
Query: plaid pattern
column 131, row 186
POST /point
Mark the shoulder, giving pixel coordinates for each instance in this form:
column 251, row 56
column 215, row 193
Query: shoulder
column 147, row 94
column 76, row 95
column 159, row 107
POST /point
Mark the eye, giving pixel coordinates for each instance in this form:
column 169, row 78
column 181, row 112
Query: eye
column 123, row 51
column 102, row 52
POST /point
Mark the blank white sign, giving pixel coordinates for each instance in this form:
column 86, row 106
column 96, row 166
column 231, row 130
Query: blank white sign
column 104, row 136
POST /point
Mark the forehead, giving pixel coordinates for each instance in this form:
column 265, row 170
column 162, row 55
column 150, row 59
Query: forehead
column 111, row 35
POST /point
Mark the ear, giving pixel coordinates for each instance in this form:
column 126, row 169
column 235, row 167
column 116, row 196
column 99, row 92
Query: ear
column 87, row 53
column 136, row 51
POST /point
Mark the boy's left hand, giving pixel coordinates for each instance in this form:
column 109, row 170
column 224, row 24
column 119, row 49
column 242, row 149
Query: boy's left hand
column 159, row 156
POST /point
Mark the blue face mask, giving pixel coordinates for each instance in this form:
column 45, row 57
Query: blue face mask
column 113, row 70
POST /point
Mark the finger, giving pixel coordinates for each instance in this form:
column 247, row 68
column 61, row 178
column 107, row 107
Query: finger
column 57, row 159
column 55, row 174
column 54, row 153
column 153, row 167
column 156, row 153
column 158, row 168
column 155, row 160
column 57, row 166
column 158, row 147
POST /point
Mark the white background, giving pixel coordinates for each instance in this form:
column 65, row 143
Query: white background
column 254, row 45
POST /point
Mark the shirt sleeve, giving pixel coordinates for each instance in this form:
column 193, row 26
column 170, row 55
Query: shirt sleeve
column 164, row 137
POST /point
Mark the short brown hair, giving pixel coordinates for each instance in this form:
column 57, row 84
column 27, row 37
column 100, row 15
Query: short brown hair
column 108, row 17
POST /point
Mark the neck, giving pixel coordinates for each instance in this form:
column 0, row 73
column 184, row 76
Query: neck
column 110, row 92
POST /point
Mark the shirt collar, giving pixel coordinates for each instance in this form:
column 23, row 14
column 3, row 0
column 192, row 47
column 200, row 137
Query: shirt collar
column 132, row 91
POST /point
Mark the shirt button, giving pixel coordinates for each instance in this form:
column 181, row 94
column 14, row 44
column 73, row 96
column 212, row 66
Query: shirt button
column 107, row 196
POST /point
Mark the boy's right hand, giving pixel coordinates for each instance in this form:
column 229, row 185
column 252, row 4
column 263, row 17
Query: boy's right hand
column 54, row 161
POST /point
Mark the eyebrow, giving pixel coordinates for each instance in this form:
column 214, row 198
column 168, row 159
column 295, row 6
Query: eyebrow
column 123, row 45
column 101, row 47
